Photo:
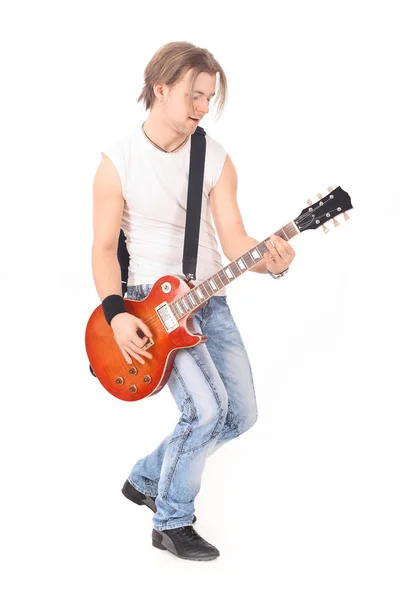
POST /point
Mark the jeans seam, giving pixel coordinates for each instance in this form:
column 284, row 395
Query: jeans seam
column 172, row 470
column 193, row 417
column 217, row 427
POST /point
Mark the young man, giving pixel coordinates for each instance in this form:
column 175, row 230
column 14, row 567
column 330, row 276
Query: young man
column 141, row 185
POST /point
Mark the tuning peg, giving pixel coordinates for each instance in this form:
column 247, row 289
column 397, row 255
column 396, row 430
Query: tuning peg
column 326, row 230
column 336, row 223
column 319, row 196
column 330, row 189
column 346, row 217
column 309, row 202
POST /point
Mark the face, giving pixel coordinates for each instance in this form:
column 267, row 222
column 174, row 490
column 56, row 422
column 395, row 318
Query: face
column 176, row 104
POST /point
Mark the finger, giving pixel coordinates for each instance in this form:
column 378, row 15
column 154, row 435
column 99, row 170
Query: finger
column 288, row 248
column 136, row 343
column 134, row 348
column 135, row 355
column 145, row 329
column 272, row 249
column 269, row 260
column 126, row 357
column 279, row 247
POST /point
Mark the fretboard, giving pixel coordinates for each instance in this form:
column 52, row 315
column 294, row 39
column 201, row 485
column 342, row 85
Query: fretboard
column 190, row 301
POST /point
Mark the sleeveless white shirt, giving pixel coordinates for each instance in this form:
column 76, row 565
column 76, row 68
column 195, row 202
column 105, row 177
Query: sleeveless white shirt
column 154, row 186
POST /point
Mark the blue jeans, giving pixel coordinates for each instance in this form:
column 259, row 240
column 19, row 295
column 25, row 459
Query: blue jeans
column 212, row 385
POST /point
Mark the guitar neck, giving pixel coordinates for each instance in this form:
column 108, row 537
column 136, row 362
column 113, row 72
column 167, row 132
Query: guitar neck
column 190, row 301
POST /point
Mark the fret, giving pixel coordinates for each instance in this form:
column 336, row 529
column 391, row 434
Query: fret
column 205, row 283
column 191, row 299
column 200, row 294
column 236, row 269
column 180, row 309
column 248, row 260
column 228, row 272
column 221, row 284
column 205, row 291
column 264, row 247
column 223, row 277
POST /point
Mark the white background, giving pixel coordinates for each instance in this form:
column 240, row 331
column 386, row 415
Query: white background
column 305, row 504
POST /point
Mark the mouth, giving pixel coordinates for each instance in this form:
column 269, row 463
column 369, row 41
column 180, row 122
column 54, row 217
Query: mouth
column 195, row 120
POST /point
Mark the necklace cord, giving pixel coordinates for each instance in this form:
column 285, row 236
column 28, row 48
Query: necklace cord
column 159, row 147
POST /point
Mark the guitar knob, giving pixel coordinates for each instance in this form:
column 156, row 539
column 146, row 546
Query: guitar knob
column 326, row 230
column 309, row 202
column 120, row 380
column 319, row 196
column 330, row 189
column 336, row 223
column 346, row 217
column 133, row 370
column 147, row 378
column 133, row 389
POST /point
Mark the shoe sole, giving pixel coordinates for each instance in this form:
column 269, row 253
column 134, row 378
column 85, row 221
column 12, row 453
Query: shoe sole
column 162, row 542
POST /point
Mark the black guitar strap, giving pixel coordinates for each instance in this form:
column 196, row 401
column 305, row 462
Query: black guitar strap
column 194, row 200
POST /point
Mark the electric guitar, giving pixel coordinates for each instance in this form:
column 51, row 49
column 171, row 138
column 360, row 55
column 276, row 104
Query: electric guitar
column 169, row 310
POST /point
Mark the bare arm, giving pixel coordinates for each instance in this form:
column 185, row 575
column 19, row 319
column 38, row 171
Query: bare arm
column 108, row 205
column 227, row 217
column 229, row 225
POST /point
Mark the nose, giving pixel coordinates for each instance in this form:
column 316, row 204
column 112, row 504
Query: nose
column 202, row 107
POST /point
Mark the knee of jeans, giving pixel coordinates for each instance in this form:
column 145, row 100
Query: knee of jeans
column 213, row 414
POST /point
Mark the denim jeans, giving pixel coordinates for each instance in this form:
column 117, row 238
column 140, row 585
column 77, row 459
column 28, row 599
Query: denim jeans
column 212, row 385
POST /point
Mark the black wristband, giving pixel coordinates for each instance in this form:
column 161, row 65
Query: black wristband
column 113, row 305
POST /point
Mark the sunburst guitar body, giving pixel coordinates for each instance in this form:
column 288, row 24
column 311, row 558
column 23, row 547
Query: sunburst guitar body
column 136, row 381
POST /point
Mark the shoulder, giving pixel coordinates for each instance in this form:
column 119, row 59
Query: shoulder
column 215, row 147
column 117, row 155
column 215, row 158
column 123, row 143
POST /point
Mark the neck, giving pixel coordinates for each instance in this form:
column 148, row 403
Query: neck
column 190, row 301
column 163, row 133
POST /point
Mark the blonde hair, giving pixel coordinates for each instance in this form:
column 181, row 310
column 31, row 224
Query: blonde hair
column 170, row 64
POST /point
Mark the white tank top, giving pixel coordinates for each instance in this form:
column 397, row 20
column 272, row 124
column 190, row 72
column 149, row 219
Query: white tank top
column 154, row 186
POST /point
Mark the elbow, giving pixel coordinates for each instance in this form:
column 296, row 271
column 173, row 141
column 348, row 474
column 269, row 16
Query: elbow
column 104, row 249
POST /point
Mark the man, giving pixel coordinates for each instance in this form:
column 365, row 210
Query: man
column 141, row 186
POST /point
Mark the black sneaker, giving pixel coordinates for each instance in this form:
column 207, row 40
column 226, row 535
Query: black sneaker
column 185, row 543
column 137, row 497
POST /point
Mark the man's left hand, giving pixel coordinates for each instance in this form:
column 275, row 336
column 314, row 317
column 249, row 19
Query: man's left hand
column 280, row 254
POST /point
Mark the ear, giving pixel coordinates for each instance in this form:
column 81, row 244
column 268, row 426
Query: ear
column 160, row 91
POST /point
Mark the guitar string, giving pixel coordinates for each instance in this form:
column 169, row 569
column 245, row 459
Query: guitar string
column 155, row 320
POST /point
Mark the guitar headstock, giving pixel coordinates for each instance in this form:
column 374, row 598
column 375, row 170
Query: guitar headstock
column 335, row 203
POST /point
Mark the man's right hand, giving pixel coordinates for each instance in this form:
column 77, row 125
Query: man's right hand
column 124, row 326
